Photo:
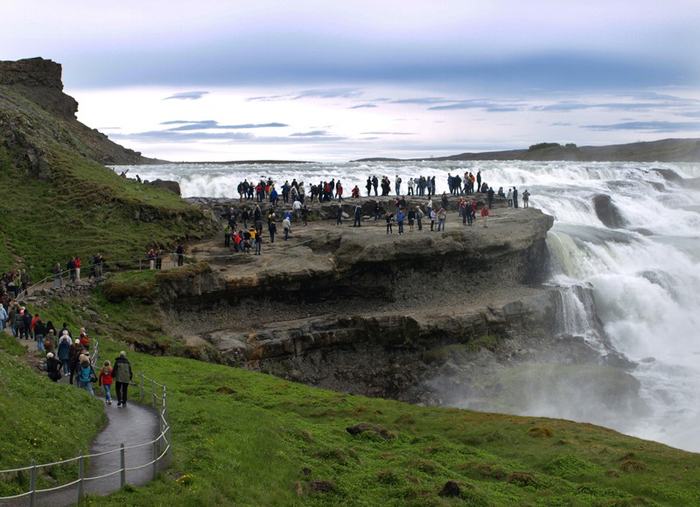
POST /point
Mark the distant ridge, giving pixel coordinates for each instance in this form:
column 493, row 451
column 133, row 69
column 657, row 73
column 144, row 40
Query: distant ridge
column 664, row 150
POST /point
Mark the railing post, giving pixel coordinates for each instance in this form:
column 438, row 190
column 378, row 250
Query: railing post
column 169, row 443
column 155, row 401
column 32, row 485
column 155, row 457
column 81, row 476
column 141, row 398
column 123, row 467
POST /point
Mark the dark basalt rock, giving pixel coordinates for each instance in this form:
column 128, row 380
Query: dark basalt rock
column 607, row 213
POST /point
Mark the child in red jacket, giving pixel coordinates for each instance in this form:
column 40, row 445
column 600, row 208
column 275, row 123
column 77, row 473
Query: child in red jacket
column 105, row 380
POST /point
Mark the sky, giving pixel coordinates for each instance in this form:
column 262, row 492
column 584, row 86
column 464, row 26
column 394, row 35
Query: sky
column 216, row 80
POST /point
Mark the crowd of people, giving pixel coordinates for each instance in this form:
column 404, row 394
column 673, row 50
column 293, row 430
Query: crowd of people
column 291, row 203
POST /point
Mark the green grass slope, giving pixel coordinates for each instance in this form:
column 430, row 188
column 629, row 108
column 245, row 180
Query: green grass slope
column 56, row 203
column 40, row 420
column 244, row 438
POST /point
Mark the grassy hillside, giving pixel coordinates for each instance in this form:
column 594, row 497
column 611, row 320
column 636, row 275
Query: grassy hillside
column 41, row 420
column 57, row 203
column 243, row 438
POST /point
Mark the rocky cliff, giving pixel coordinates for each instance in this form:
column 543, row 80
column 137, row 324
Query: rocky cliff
column 36, row 81
column 358, row 310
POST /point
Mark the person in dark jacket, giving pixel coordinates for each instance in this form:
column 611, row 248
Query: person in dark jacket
column 122, row 375
column 53, row 367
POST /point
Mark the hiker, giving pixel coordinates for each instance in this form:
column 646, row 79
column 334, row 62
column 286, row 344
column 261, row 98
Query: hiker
column 85, row 374
column 122, row 374
column 105, row 380
column 64, row 352
column 53, row 366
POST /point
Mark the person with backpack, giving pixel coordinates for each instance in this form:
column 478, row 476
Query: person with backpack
column 122, row 375
column 64, row 352
column 105, row 380
column 85, row 374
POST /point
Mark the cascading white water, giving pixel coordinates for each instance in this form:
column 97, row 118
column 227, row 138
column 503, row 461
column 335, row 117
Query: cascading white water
column 644, row 276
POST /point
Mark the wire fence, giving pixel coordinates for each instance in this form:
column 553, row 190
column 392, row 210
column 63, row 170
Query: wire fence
column 159, row 450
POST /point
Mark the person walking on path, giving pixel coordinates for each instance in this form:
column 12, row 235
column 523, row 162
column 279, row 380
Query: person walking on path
column 85, row 374
column 53, row 367
column 58, row 276
column 64, row 352
column 105, row 380
column 122, row 375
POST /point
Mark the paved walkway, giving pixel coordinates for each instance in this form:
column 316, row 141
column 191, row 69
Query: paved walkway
column 131, row 425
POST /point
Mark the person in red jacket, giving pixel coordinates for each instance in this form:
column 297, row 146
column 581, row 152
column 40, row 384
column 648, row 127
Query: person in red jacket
column 78, row 265
column 105, row 380
column 485, row 214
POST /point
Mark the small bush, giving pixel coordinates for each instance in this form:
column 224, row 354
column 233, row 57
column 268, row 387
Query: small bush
column 540, row 432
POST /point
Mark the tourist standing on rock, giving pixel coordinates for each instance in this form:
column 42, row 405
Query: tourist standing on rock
column 419, row 218
column 397, row 184
column 358, row 216
column 485, row 215
column 339, row 216
column 515, row 197
column 429, row 206
column 78, row 265
column 411, row 219
column 368, row 186
column 122, row 374
column 442, row 217
column 509, row 197
column 433, row 216
column 389, row 223
column 490, row 195
column 105, row 380
column 272, row 227
column 400, row 217
column 227, row 235
column 375, row 184
column 526, row 199
column 287, row 227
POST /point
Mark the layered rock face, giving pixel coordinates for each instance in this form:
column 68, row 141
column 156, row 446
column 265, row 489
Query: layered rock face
column 360, row 311
column 38, row 81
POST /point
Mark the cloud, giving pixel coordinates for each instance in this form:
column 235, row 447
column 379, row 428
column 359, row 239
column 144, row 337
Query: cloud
column 642, row 102
column 211, row 124
column 647, row 126
column 196, row 95
column 388, row 133
column 560, row 124
column 344, row 93
column 361, row 106
column 313, row 133
column 170, row 136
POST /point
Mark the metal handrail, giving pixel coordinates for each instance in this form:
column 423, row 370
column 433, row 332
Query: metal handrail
column 163, row 437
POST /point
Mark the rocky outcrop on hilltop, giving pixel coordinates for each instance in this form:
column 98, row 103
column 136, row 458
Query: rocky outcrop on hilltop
column 25, row 84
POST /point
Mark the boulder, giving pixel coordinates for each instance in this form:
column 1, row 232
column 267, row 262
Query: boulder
column 607, row 212
column 172, row 186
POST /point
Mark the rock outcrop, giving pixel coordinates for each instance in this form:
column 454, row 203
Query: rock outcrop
column 36, row 81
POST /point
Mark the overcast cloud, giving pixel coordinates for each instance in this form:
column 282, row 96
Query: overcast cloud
column 474, row 75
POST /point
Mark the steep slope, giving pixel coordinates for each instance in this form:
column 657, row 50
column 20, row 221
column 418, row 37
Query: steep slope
column 57, row 201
